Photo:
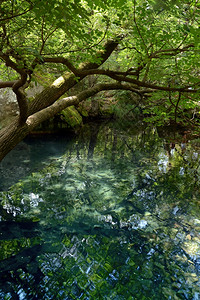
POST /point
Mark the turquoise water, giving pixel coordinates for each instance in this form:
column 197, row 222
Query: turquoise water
column 110, row 214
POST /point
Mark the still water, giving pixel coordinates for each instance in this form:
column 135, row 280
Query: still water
column 109, row 214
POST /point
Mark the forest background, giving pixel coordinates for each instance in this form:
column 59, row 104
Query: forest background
column 145, row 50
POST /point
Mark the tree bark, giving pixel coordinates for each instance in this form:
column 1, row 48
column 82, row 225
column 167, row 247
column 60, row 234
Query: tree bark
column 16, row 132
column 65, row 82
column 42, row 108
column 46, row 104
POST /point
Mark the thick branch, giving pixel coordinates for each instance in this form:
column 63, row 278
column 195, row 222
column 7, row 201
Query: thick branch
column 138, row 83
column 61, row 104
column 13, row 134
column 5, row 84
column 76, row 71
column 21, row 97
column 49, row 95
column 61, row 60
column 18, row 86
column 10, row 63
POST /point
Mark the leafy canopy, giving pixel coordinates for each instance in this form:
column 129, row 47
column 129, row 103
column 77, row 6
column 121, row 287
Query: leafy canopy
column 159, row 48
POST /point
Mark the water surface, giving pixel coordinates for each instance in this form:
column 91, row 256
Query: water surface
column 112, row 214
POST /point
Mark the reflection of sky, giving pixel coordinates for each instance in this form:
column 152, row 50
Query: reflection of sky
column 163, row 162
column 195, row 155
column 182, row 171
column 34, row 199
column 172, row 151
column 10, row 209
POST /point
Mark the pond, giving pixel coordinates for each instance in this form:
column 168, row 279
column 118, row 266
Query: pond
column 111, row 213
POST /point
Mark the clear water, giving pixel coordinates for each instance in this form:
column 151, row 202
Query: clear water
column 112, row 214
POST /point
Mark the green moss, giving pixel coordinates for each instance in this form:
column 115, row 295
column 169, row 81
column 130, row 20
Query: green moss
column 106, row 106
column 84, row 109
column 71, row 116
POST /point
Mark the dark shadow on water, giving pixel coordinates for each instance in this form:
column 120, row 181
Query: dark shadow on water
column 30, row 155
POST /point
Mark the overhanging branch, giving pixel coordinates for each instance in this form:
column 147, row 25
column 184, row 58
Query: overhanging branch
column 5, row 84
column 64, row 83
column 138, row 83
column 63, row 61
column 63, row 103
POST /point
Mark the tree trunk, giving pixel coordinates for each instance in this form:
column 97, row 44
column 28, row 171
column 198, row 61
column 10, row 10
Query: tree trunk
column 42, row 107
column 16, row 132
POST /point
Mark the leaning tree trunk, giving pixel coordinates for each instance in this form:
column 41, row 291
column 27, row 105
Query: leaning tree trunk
column 11, row 135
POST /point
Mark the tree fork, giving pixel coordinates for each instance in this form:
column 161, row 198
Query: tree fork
column 11, row 135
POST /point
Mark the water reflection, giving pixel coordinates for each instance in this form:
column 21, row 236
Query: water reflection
column 115, row 217
column 30, row 155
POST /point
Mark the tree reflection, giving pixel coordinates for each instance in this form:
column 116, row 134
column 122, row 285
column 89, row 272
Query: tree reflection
column 116, row 216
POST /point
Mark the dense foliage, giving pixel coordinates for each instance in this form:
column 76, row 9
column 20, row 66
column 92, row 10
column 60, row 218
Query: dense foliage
column 149, row 47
